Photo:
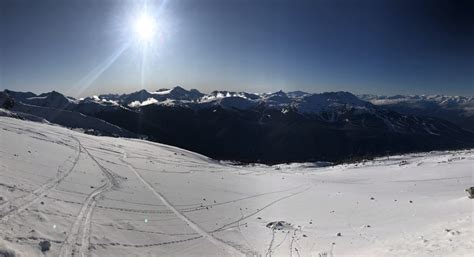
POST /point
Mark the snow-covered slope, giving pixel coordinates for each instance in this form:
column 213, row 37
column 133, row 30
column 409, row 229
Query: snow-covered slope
column 56, row 108
column 70, row 119
column 102, row 196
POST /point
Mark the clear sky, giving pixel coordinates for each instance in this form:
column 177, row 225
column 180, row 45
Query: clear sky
column 86, row 47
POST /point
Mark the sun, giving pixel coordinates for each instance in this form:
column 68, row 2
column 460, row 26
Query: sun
column 145, row 28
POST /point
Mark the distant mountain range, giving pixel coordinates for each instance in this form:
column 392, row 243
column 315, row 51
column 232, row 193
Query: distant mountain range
column 457, row 109
column 269, row 128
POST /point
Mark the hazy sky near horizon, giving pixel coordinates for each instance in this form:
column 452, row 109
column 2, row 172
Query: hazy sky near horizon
column 84, row 47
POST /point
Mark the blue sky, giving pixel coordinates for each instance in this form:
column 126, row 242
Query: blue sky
column 380, row 47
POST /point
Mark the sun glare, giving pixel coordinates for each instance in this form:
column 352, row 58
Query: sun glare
column 145, row 28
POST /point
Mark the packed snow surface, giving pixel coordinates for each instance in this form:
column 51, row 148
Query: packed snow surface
column 101, row 196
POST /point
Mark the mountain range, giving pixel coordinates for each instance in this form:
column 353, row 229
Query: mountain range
column 268, row 128
column 457, row 109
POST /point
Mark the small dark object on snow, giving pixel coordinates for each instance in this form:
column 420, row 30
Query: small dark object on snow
column 42, row 202
column 338, row 234
column 279, row 225
column 305, row 235
column 470, row 191
column 368, row 226
column 411, row 201
column 45, row 245
column 258, row 218
column 275, row 224
column 92, row 186
column 371, row 198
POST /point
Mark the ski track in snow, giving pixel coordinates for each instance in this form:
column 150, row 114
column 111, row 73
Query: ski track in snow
column 228, row 248
column 261, row 209
column 20, row 204
column 106, row 187
column 78, row 238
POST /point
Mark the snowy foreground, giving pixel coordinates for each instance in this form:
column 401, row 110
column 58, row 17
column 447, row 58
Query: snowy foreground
column 100, row 196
